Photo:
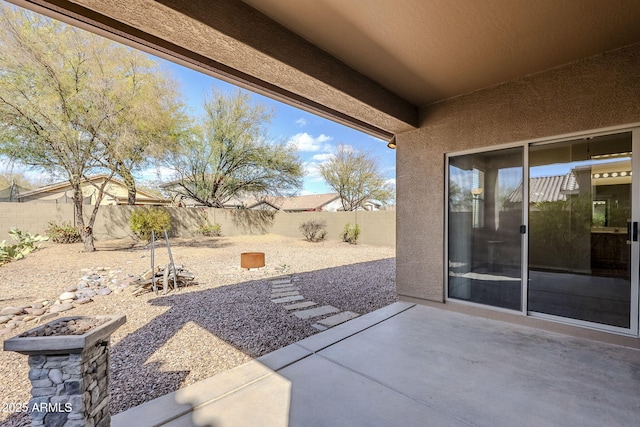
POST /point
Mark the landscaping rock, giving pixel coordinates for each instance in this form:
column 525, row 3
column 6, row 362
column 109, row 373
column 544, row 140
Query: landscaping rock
column 86, row 293
column 37, row 305
column 71, row 288
column 59, row 308
column 67, row 296
column 81, row 301
column 10, row 310
column 4, row 319
column 46, row 317
column 38, row 311
column 103, row 291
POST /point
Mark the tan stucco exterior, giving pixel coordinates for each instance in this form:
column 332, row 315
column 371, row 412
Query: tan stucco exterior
column 436, row 77
column 595, row 93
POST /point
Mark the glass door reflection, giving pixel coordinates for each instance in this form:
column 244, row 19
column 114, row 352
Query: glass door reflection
column 484, row 216
column 580, row 200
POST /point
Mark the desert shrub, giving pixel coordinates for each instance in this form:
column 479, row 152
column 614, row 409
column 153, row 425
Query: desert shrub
column 210, row 230
column 144, row 221
column 313, row 230
column 63, row 233
column 27, row 243
column 350, row 235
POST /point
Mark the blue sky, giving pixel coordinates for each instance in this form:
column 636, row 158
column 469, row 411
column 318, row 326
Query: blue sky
column 315, row 137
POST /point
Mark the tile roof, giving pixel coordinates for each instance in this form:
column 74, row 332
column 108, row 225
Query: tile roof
column 547, row 189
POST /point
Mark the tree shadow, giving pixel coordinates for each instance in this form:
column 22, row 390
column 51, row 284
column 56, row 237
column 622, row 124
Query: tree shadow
column 243, row 316
column 253, row 221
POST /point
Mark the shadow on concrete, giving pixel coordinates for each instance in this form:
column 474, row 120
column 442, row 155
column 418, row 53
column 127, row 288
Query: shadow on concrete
column 242, row 315
column 414, row 365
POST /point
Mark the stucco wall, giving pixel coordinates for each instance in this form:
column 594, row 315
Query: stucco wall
column 112, row 222
column 590, row 94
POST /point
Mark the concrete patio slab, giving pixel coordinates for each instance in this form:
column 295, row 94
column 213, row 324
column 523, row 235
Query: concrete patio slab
column 415, row 366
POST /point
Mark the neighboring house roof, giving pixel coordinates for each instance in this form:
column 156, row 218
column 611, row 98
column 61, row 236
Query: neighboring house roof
column 313, row 202
column 547, row 189
column 115, row 191
column 10, row 194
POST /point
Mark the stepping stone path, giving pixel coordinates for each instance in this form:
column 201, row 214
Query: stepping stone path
column 284, row 291
column 94, row 283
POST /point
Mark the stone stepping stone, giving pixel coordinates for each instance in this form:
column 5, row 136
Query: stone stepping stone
column 300, row 305
column 288, row 299
column 284, row 294
column 287, row 289
column 315, row 312
column 281, row 281
column 319, row 327
column 338, row 318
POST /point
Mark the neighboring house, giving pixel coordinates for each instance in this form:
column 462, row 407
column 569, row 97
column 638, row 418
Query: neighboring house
column 481, row 89
column 10, row 194
column 115, row 193
column 310, row 203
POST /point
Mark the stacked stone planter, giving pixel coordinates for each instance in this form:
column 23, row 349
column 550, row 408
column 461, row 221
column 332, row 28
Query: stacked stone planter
column 69, row 374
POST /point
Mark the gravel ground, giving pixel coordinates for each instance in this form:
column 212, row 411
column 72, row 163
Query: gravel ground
column 191, row 334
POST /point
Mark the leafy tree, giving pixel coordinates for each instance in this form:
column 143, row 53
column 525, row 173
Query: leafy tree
column 355, row 176
column 230, row 155
column 72, row 103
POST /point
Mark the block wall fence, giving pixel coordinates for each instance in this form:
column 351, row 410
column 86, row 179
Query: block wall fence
column 377, row 228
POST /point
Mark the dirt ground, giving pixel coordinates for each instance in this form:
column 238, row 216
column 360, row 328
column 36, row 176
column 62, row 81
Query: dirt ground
column 188, row 335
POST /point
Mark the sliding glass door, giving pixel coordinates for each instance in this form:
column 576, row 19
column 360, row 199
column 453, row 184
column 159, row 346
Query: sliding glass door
column 551, row 232
column 580, row 208
column 485, row 213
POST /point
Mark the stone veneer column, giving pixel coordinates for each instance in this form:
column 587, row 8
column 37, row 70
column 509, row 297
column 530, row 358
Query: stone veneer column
column 69, row 375
column 71, row 389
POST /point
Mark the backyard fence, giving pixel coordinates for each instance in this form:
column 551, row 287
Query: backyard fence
column 377, row 228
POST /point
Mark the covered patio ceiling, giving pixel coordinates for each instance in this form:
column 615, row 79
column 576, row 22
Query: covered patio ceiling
column 369, row 64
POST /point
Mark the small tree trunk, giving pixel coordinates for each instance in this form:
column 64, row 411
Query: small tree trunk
column 86, row 233
column 130, row 183
column 131, row 196
column 88, row 240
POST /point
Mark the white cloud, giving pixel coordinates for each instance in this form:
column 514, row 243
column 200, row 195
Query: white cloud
column 160, row 173
column 312, row 172
column 391, row 181
column 305, row 142
column 301, row 122
column 323, row 157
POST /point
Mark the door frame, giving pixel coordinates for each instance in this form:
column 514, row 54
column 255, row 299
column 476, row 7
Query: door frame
column 635, row 216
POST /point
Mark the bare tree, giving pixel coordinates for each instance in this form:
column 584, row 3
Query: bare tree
column 356, row 177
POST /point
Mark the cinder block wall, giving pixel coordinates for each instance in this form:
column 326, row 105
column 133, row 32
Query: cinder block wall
column 32, row 217
column 112, row 222
column 590, row 94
